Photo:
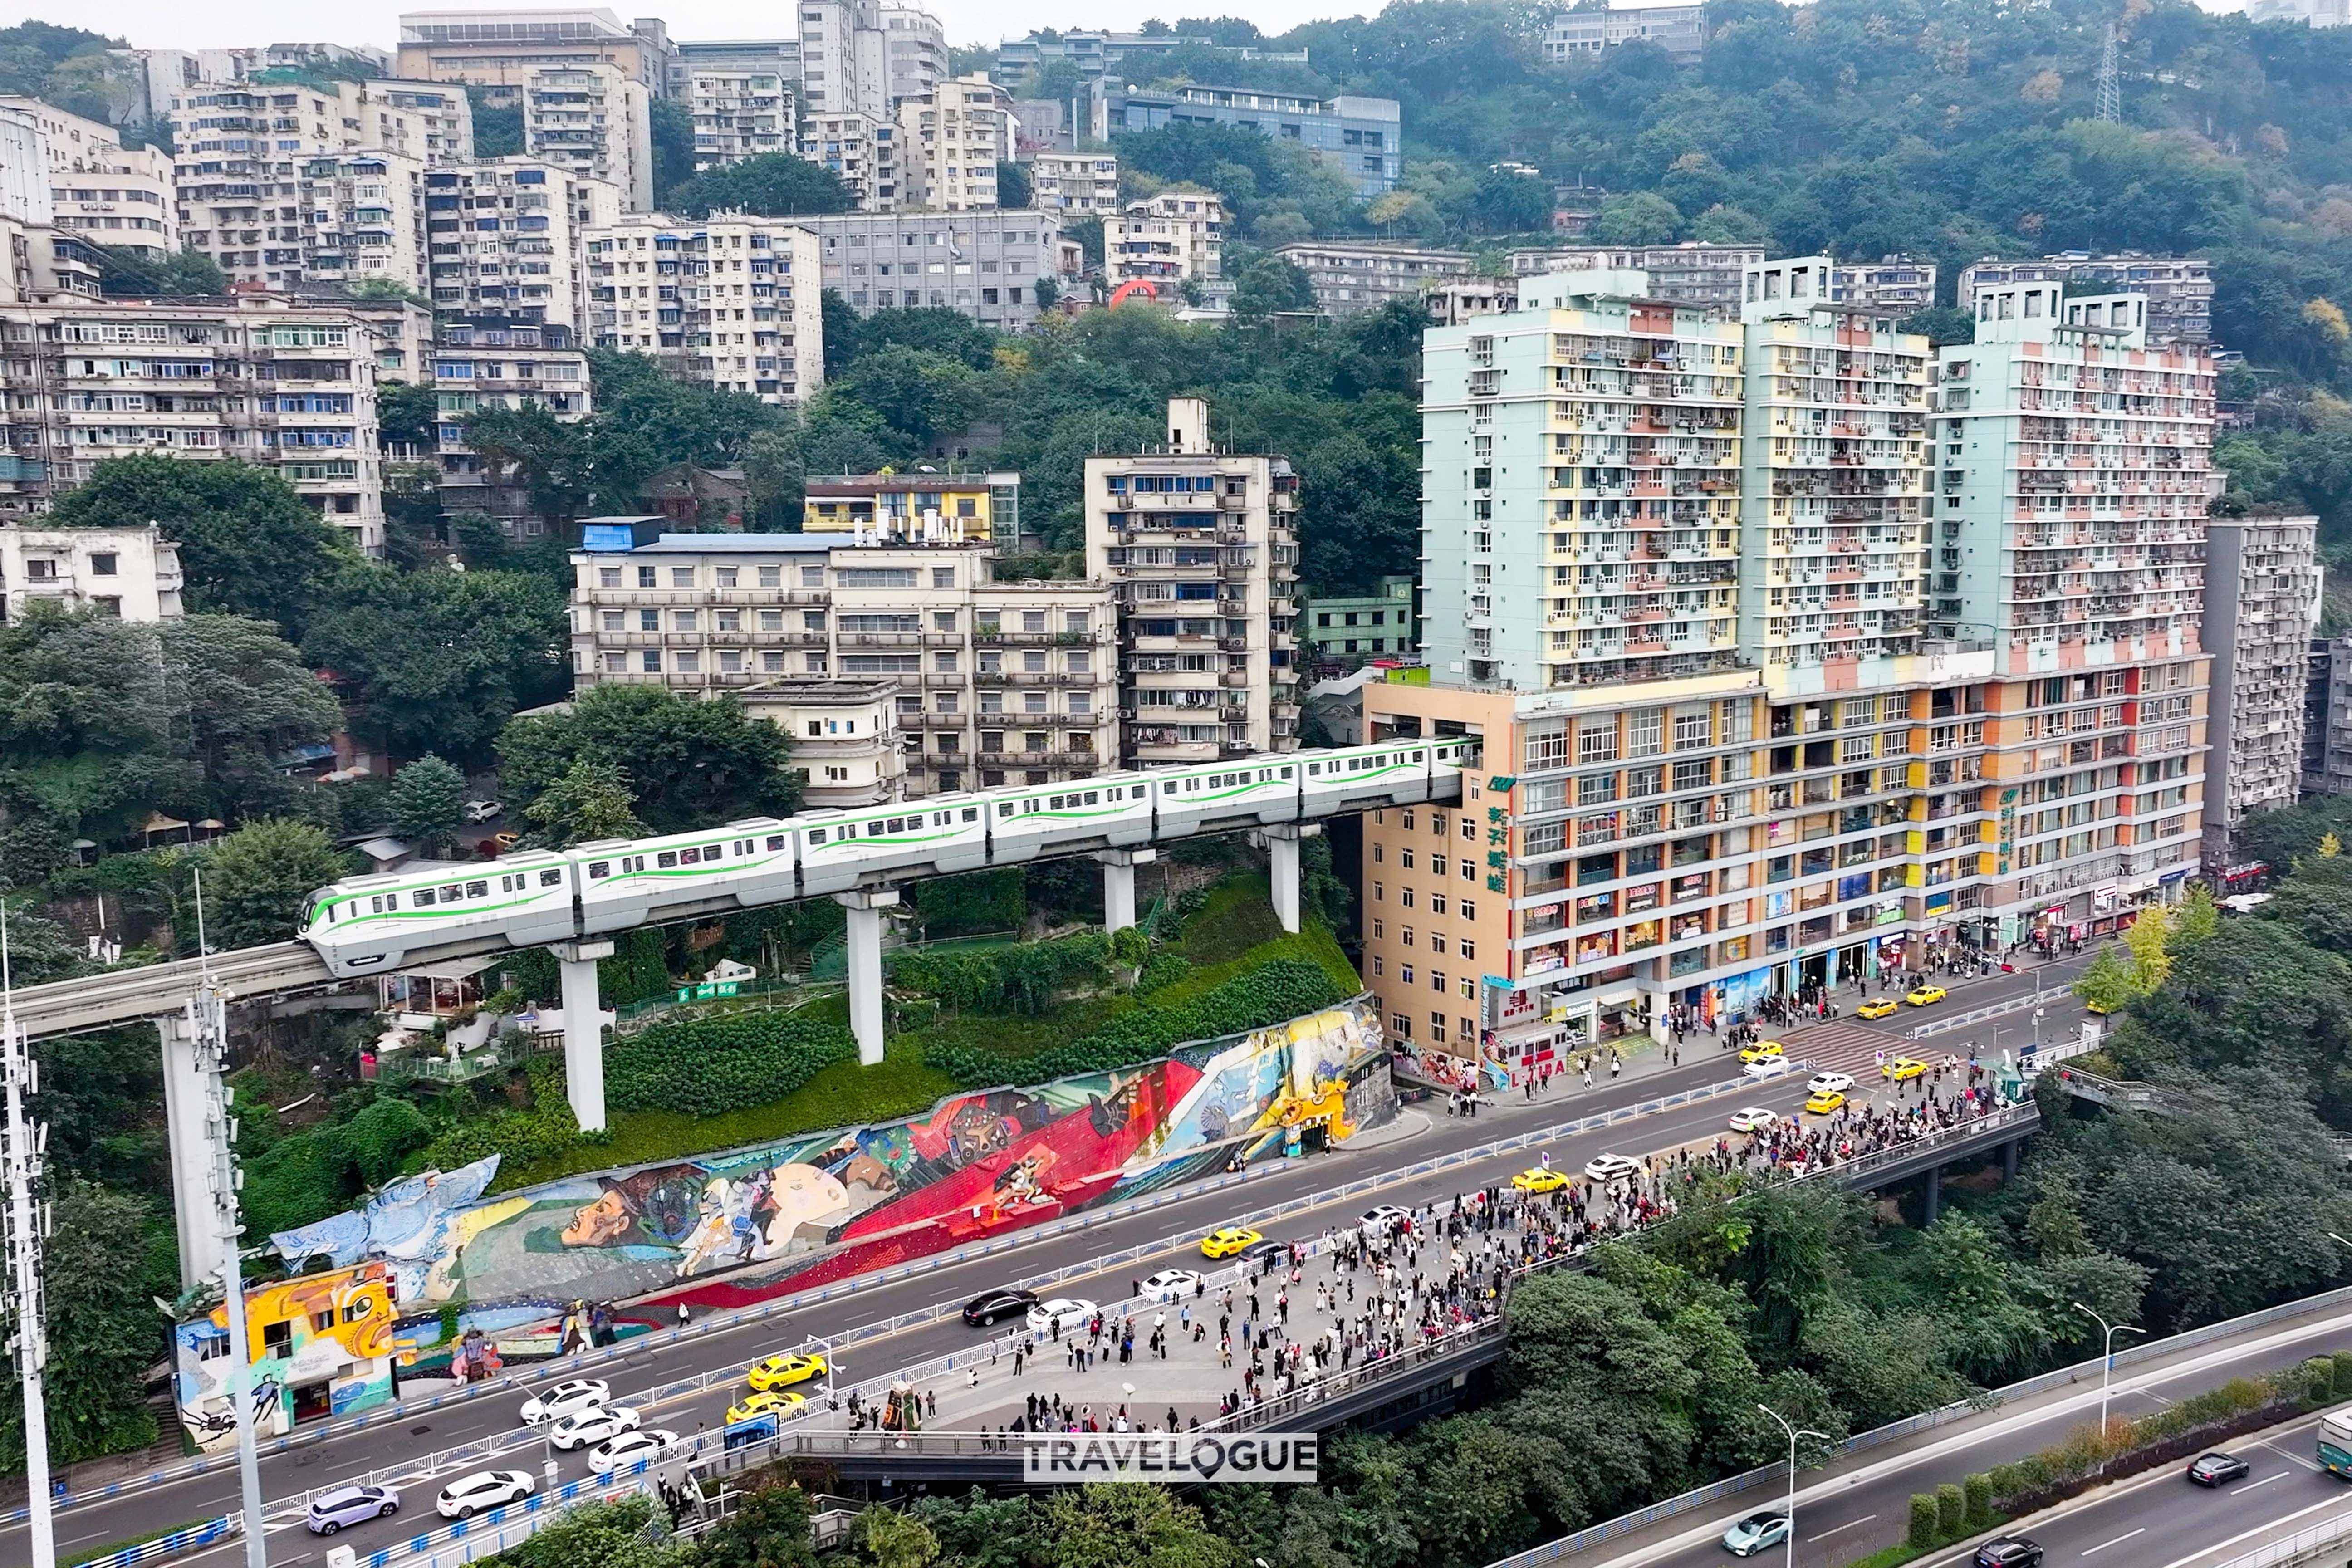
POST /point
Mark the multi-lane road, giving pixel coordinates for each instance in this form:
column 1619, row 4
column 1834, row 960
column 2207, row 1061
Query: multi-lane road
column 156, row 1510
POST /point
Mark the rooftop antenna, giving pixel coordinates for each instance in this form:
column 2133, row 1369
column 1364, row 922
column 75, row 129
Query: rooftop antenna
column 2111, row 93
column 21, row 1145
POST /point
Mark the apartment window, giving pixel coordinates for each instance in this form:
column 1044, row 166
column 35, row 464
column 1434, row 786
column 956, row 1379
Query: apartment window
column 1645, row 733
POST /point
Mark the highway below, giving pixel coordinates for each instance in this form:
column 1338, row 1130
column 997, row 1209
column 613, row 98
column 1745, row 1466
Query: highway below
column 156, row 1510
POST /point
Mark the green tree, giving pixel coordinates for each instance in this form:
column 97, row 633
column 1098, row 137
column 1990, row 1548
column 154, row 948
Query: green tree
column 428, row 802
column 1637, row 217
column 1013, row 190
column 917, row 394
column 247, row 543
column 689, row 761
column 439, row 661
column 776, row 185
column 497, row 128
column 888, row 1538
column 673, row 138
column 2109, row 984
column 103, row 1332
column 1272, row 285
column 1509, row 202
column 406, row 412
column 257, row 881
column 768, row 1528
column 1129, row 1526
column 126, row 273
column 588, row 801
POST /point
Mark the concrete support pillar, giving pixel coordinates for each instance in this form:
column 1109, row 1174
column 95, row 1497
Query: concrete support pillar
column 1119, row 885
column 1935, row 1195
column 1282, row 848
column 865, row 908
column 191, row 1158
column 583, row 1031
column 2009, row 1159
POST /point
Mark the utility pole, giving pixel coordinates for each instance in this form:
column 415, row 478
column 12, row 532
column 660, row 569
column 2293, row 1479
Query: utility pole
column 208, row 1028
column 2111, row 91
column 22, row 1144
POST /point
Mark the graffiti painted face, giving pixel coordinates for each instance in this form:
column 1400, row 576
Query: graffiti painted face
column 600, row 1223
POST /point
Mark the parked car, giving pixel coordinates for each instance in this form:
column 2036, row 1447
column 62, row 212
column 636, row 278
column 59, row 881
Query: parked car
column 332, row 1511
column 619, row 1453
column 1753, row 1119
column 590, row 1426
column 1004, row 1301
column 482, row 810
column 1829, row 1083
column 1173, row 1284
column 1382, row 1221
column 469, row 1495
column 1607, row 1168
column 1265, row 1248
column 1069, row 1311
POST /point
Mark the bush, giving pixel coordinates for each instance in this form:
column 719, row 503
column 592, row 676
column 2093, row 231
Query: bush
column 1980, row 1490
column 1282, row 989
column 2343, row 1364
column 1951, row 1510
column 1020, row 979
column 2319, row 1380
column 1924, row 1523
column 1164, row 970
column 382, row 1135
column 517, row 1137
column 707, row 1067
column 2004, row 1479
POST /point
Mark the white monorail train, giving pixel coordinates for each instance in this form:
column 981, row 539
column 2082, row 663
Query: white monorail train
column 539, row 896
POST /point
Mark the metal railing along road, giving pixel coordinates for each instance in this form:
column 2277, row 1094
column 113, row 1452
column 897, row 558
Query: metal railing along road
column 2297, row 1548
column 1984, row 1403
column 1950, row 1021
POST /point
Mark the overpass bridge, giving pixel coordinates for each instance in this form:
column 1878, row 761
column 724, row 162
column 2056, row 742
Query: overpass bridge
column 860, row 857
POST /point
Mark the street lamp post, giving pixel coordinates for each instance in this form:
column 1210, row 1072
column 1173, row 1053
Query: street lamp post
column 1794, row 1433
column 2106, row 1362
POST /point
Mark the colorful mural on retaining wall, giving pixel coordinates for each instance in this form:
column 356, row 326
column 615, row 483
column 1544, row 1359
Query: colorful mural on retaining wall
column 729, row 1229
column 322, row 1346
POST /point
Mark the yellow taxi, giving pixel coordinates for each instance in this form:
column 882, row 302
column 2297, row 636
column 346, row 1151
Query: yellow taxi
column 1761, row 1051
column 1226, row 1240
column 1877, row 1007
column 1536, row 1179
column 1825, row 1102
column 752, row 1406
column 783, row 1371
column 1925, row 995
column 1902, row 1069
column 2097, row 1009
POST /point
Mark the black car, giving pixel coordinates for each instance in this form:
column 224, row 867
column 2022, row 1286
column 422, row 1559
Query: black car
column 1258, row 1250
column 2216, row 1469
column 1004, row 1302
column 2008, row 1551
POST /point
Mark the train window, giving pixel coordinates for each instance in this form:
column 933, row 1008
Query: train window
column 1418, row 756
column 776, row 841
column 550, row 877
column 480, row 889
column 452, row 893
column 817, row 837
column 376, row 903
column 874, row 829
column 1286, row 772
column 972, row 813
column 691, row 855
column 1314, row 769
column 1093, row 796
column 424, row 898
column 667, row 858
column 1005, row 808
column 599, row 869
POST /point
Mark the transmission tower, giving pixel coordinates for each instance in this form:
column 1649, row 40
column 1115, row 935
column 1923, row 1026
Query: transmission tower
column 2111, row 91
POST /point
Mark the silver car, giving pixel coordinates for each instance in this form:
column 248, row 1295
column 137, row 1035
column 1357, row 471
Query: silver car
column 330, row 1511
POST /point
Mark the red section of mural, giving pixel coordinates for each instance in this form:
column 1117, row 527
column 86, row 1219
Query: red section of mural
column 1060, row 1167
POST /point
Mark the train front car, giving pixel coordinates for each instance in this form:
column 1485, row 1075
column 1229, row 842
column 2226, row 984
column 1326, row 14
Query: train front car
column 1395, row 771
column 630, row 883
column 1113, row 812
column 371, row 925
column 934, row 836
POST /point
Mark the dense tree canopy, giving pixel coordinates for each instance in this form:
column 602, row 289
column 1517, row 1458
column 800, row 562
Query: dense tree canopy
column 686, row 759
column 775, row 184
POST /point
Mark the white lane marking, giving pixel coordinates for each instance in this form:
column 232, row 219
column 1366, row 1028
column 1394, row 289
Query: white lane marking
column 1832, row 1530
column 2292, row 1459
column 2250, row 1486
column 2219, row 1546
column 2119, row 1541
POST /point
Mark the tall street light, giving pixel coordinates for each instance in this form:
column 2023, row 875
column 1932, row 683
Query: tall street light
column 1794, row 1433
column 2106, row 1361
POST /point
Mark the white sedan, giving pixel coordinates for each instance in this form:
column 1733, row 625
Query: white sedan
column 1830, row 1083
column 1754, row 1119
column 1764, row 1067
column 469, row 1495
column 567, row 1398
column 592, row 1425
column 1070, row 1311
column 619, row 1453
column 1606, row 1168
column 1171, row 1284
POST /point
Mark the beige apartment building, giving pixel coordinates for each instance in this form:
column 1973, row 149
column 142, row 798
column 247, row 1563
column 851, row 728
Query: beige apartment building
column 1350, row 278
column 951, row 139
column 594, row 122
column 866, row 151
column 130, row 572
column 1166, row 239
column 731, row 302
column 1200, row 546
column 507, row 237
column 739, row 112
column 287, row 386
column 2262, row 609
column 1074, row 182
column 364, row 220
column 115, row 195
column 996, row 683
column 500, row 49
